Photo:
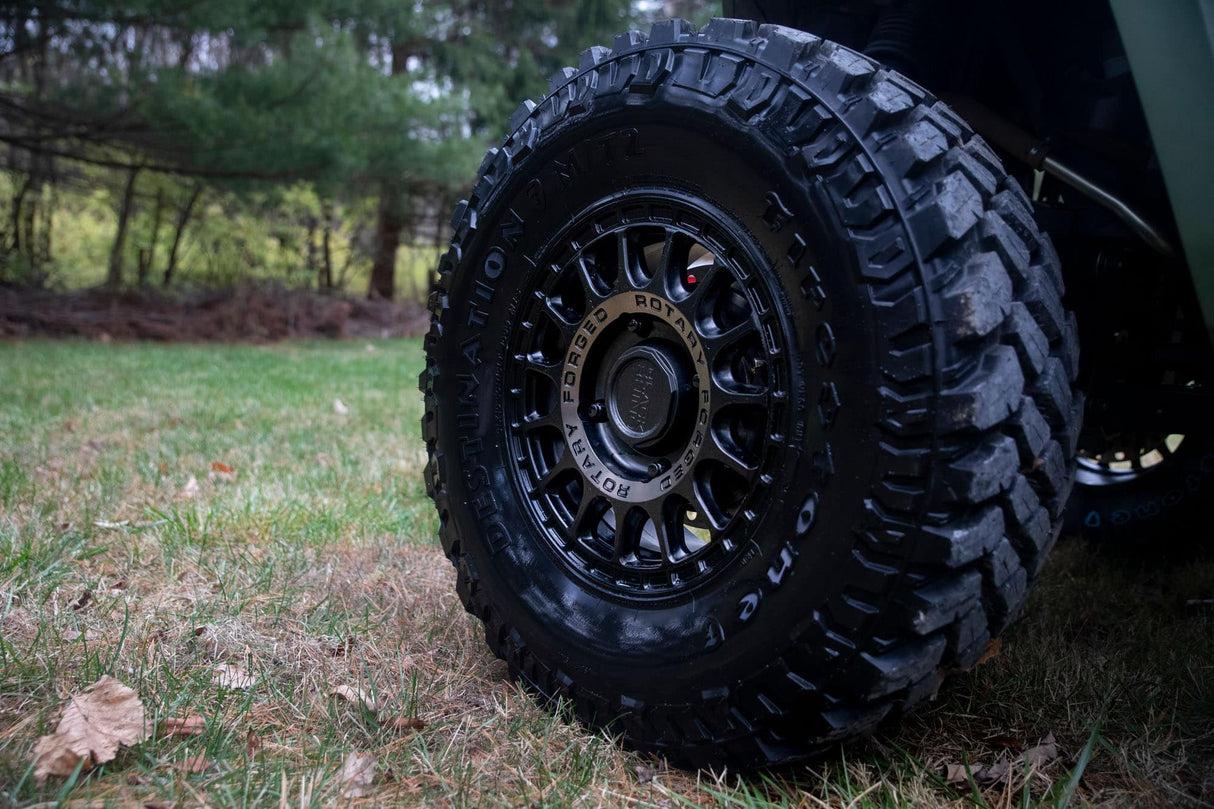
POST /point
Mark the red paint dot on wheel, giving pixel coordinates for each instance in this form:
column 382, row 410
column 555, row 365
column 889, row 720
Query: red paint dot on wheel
column 691, row 279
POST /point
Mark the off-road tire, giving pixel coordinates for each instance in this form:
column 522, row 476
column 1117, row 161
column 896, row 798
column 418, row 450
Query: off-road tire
column 915, row 376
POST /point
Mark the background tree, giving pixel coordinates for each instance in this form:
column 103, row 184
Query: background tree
column 156, row 104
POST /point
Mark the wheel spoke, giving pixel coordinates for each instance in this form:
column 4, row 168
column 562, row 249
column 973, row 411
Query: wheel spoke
column 627, row 533
column 590, row 281
column 555, row 471
column 550, row 420
column 669, row 531
column 708, row 508
column 724, row 396
column 717, row 343
column 537, row 363
column 560, row 318
column 589, row 507
column 715, row 450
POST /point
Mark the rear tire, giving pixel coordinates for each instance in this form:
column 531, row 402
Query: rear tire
column 855, row 486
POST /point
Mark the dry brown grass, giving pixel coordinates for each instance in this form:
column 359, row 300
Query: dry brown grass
column 317, row 568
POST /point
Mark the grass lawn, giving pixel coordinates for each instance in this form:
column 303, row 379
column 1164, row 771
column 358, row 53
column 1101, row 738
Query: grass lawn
column 313, row 565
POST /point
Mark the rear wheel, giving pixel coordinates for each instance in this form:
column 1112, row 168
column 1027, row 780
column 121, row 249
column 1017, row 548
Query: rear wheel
column 748, row 394
column 1140, row 487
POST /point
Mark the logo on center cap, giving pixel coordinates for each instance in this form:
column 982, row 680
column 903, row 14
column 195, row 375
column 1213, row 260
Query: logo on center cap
column 641, row 376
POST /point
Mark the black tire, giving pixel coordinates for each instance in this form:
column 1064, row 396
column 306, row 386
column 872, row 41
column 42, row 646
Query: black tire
column 889, row 453
column 1135, row 489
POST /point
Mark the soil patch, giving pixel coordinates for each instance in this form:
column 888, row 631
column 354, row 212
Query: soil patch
column 245, row 313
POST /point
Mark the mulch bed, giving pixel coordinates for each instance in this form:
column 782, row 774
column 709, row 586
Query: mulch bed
column 245, row 313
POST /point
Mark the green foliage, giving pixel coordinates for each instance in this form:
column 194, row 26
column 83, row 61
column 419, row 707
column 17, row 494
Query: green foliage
column 294, row 112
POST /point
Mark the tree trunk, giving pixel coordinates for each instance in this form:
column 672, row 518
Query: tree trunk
column 44, row 249
column 311, row 241
column 148, row 257
column 113, row 279
column 183, row 219
column 391, row 211
column 18, row 202
column 325, row 282
column 387, row 241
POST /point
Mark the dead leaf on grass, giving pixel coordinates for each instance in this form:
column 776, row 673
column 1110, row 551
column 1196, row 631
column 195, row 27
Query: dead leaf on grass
column 339, row 407
column 403, row 723
column 229, row 675
column 1035, row 758
column 75, row 634
column 190, row 490
column 191, row 725
column 357, row 774
column 251, row 743
column 356, row 696
column 95, row 723
column 221, row 472
column 1006, row 742
column 1042, row 754
column 961, row 773
column 83, row 601
column 993, row 650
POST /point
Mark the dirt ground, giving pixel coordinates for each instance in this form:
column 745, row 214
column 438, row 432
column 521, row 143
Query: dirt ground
column 242, row 313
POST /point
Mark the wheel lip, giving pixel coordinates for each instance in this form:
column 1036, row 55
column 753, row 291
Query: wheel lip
column 1095, row 474
column 740, row 254
column 612, row 310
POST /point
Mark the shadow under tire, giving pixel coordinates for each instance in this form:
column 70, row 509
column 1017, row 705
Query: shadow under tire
column 748, row 394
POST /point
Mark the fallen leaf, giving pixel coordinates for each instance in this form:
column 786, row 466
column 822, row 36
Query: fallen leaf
column 221, row 472
column 356, row 696
column 962, row 773
column 191, row 725
column 357, row 774
column 1006, row 742
column 993, row 649
column 403, row 723
column 75, row 634
column 83, row 601
column 995, row 772
column 196, row 764
column 644, row 774
column 251, row 743
column 199, row 631
column 339, row 407
column 229, row 675
column 957, row 773
column 190, row 490
column 1042, row 754
column 94, row 724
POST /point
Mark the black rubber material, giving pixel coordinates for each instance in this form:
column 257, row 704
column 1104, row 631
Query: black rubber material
column 924, row 444
column 1165, row 506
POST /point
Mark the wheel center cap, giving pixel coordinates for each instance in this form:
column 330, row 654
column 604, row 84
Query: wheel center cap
column 643, row 393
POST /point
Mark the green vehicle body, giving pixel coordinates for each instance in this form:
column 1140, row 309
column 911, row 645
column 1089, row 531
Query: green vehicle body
column 1170, row 45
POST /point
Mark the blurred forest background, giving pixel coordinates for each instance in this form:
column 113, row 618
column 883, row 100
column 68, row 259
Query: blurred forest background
column 153, row 149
